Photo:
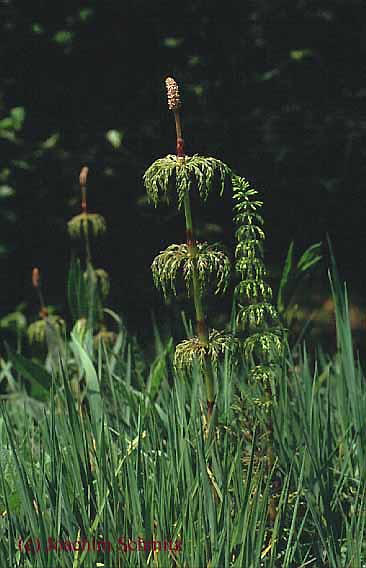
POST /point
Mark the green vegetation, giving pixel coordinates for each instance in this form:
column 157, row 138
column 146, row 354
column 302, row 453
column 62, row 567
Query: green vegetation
column 124, row 461
column 230, row 448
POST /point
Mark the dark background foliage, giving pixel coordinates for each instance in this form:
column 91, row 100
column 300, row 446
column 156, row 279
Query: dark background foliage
column 277, row 89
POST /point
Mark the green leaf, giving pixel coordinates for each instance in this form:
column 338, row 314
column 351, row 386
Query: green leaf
column 63, row 37
column 21, row 164
column 285, row 277
column 173, row 42
column 39, row 379
column 37, row 28
column 6, row 123
column 268, row 75
column 310, row 257
column 92, row 385
column 159, row 371
column 17, row 115
column 85, row 14
column 51, row 141
column 115, row 138
column 17, row 320
column 299, row 54
column 76, row 290
column 6, row 191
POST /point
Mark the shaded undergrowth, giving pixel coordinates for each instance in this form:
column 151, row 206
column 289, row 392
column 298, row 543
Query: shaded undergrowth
column 130, row 457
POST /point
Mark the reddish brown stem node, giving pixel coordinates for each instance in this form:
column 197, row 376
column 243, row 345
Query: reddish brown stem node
column 180, row 148
column 43, row 313
column 201, row 328
column 190, row 238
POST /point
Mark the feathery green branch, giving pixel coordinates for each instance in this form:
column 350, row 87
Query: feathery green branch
column 79, row 225
column 210, row 261
column 172, row 170
column 193, row 349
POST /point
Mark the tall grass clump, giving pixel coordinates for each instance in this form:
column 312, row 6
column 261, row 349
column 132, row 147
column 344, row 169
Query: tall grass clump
column 70, row 499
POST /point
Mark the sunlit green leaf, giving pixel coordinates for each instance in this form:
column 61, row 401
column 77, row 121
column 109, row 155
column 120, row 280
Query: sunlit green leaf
column 115, row 138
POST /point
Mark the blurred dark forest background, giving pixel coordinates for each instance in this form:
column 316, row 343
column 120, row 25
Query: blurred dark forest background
column 277, row 89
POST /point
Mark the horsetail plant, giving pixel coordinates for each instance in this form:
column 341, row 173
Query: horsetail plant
column 257, row 319
column 40, row 330
column 256, row 316
column 82, row 226
column 198, row 262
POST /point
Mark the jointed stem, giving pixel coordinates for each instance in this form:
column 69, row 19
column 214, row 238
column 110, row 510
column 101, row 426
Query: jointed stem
column 202, row 330
column 36, row 281
column 180, row 141
column 178, row 126
column 42, row 302
column 87, row 245
column 84, row 208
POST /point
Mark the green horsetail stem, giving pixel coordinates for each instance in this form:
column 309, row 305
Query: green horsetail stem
column 201, row 325
column 174, row 104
